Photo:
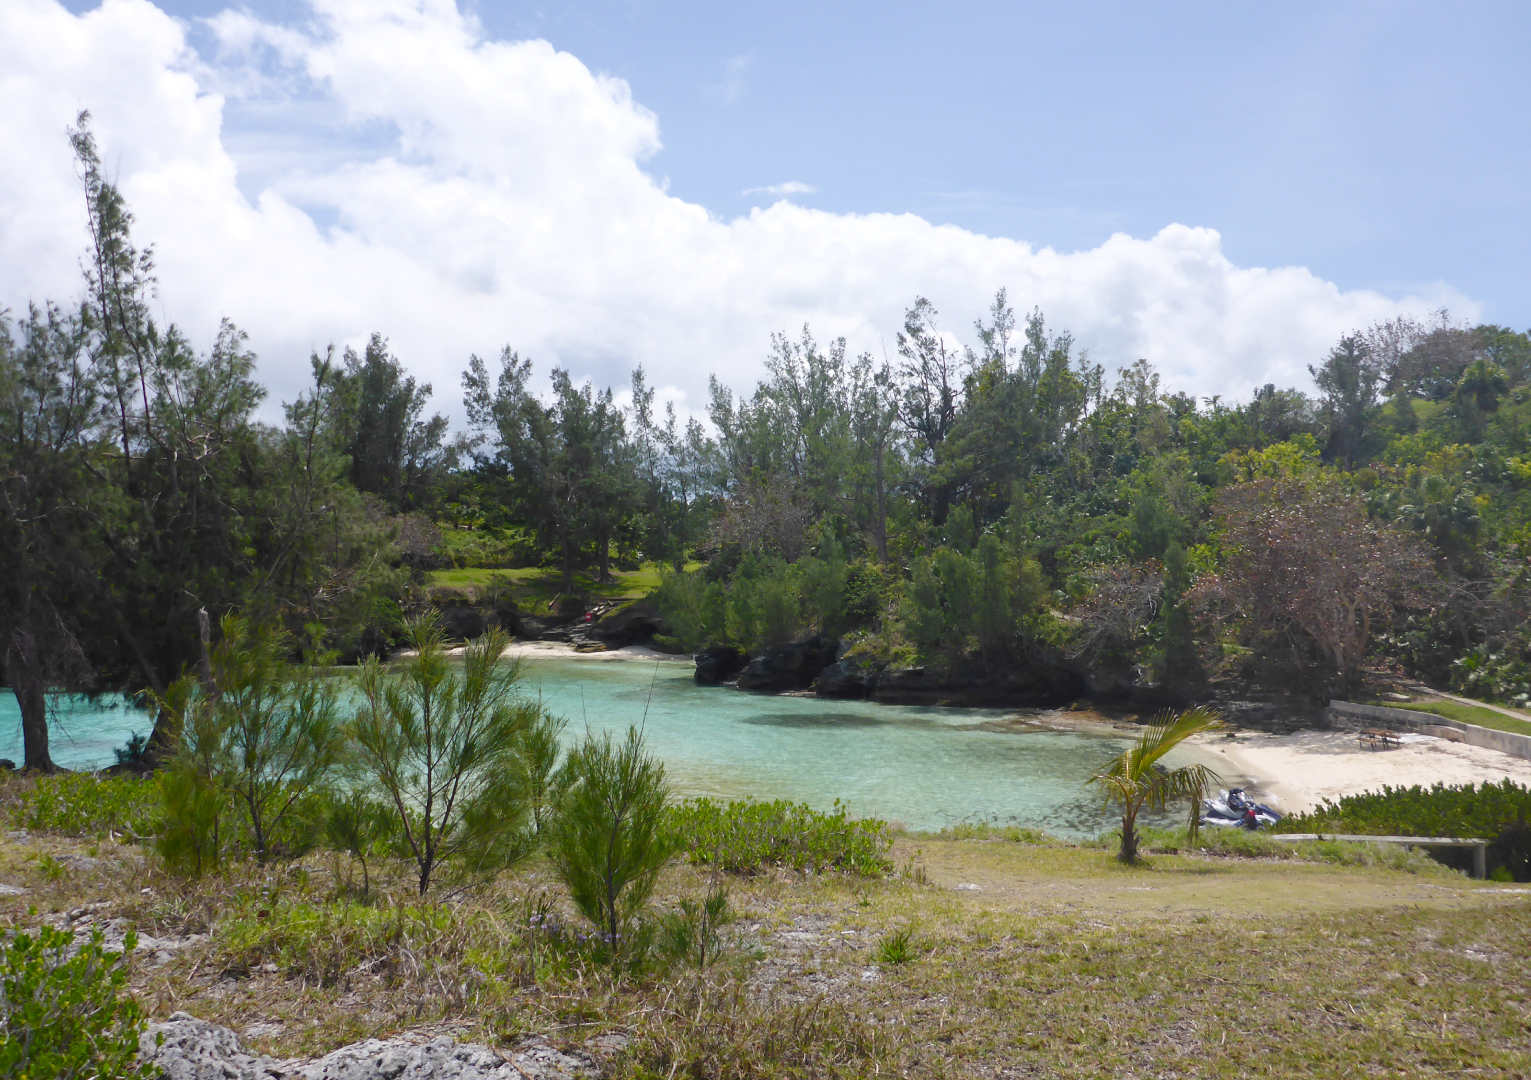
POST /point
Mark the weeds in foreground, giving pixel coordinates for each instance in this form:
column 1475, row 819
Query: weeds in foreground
column 62, row 1010
column 897, row 947
column 748, row 837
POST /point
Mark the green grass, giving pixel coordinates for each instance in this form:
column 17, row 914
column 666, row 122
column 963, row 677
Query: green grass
column 1467, row 714
column 534, row 588
column 988, row 956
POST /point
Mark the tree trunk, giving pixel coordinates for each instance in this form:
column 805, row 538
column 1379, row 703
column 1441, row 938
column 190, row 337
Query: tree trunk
column 23, row 670
column 604, row 545
column 1129, row 852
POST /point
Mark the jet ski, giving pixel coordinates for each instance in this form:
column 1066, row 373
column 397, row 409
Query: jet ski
column 1234, row 809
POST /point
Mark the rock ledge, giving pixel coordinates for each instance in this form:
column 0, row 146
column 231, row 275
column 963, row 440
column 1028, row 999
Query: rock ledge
column 186, row 1048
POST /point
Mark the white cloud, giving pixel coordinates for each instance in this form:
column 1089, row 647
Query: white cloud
column 791, row 187
column 510, row 205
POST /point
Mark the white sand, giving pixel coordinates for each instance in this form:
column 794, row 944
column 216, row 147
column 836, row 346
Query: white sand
column 560, row 651
column 1294, row 772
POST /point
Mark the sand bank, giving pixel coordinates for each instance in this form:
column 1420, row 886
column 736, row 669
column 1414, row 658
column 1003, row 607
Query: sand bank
column 557, row 650
column 1295, row 772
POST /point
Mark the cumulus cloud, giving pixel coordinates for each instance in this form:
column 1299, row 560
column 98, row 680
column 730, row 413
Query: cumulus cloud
column 791, row 187
column 500, row 196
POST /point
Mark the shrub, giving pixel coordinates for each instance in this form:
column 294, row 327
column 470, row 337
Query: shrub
column 61, row 1013
column 359, row 826
column 694, row 933
column 78, row 804
column 1498, row 812
column 268, row 735
column 194, row 807
column 608, row 843
column 443, row 747
column 746, row 837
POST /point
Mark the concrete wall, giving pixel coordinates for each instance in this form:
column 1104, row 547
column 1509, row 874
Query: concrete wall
column 1506, row 742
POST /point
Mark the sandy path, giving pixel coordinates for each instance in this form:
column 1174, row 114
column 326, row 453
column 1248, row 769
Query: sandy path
column 1294, row 772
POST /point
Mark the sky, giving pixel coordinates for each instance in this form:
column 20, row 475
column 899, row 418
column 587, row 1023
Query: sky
column 1222, row 189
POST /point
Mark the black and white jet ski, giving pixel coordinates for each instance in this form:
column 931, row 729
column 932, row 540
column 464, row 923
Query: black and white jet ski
column 1234, row 809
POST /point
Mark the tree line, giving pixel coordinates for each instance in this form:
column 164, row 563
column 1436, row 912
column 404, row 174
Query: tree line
column 969, row 508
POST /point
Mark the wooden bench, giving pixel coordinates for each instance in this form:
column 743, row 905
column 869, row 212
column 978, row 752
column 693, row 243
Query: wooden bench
column 1377, row 739
column 1480, row 847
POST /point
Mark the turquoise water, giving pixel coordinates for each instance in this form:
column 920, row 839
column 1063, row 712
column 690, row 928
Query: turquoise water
column 922, row 766
column 81, row 733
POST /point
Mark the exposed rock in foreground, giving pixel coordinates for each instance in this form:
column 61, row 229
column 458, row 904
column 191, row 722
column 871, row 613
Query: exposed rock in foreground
column 190, row 1049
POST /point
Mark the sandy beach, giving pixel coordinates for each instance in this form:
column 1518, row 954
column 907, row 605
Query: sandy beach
column 560, row 651
column 1294, row 773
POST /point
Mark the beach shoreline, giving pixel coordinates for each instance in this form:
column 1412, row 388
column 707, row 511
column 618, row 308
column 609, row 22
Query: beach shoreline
column 1294, row 773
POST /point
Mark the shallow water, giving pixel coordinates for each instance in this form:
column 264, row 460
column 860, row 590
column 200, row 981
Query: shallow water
column 926, row 767
column 81, row 733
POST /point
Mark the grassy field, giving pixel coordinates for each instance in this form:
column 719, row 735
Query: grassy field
column 984, row 956
column 1467, row 714
column 535, row 588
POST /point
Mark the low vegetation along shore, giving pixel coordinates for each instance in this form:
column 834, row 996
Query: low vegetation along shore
column 582, row 921
column 838, row 949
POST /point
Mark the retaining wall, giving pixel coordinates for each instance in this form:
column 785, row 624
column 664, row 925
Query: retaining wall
column 1506, row 742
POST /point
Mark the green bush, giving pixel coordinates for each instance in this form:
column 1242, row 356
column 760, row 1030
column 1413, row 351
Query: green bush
column 1241, row 843
column 607, row 839
column 79, row 804
column 746, row 837
column 194, row 832
column 693, row 934
column 1499, row 812
column 1457, row 810
column 62, row 1016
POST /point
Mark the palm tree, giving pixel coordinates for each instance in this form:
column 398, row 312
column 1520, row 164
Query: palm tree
column 1136, row 780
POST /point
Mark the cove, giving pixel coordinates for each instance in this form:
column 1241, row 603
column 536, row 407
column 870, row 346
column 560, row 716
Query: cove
column 924, row 767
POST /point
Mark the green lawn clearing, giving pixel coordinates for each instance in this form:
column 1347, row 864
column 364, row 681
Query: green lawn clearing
column 536, row 588
column 1467, row 714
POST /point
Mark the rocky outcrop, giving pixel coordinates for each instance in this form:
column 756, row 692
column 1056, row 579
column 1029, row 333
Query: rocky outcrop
column 1044, row 681
column 464, row 619
column 186, row 1048
column 845, row 679
column 717, row 665
column 631, row 624
column 789, row 667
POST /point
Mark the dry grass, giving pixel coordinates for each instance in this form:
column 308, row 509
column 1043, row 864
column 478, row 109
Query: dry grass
column 1054, row 961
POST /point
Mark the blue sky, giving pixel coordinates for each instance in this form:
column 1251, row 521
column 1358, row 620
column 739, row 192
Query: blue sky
column 1384, row 148
column 1382, row 145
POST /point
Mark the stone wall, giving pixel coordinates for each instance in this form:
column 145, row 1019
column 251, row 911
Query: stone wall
column 1506, row 742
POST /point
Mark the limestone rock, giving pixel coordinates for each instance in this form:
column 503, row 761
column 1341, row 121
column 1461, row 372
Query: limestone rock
column 789, row 667
column 186, row 1048
column 714, row 666
column 845, row 679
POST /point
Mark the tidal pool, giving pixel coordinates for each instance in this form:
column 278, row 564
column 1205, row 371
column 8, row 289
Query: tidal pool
column 925, row 767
